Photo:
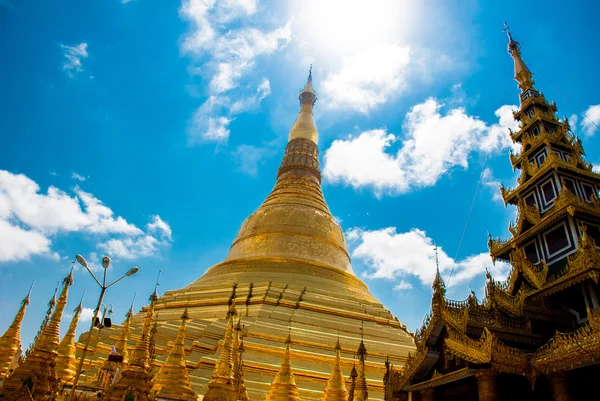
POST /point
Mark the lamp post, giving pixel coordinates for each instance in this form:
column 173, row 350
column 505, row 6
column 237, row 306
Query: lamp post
column 104, row 287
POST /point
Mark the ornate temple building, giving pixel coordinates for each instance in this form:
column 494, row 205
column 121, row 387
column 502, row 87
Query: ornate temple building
column 535, row 336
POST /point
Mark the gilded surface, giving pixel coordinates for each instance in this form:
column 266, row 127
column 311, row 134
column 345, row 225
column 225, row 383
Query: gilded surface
column 289, row 261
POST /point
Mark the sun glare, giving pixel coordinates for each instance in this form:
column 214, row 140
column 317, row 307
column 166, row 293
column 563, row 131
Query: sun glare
column 343, row 27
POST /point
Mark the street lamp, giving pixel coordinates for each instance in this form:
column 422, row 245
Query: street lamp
column 104, row 287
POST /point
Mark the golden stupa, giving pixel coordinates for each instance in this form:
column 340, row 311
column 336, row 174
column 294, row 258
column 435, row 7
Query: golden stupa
column 288, row 269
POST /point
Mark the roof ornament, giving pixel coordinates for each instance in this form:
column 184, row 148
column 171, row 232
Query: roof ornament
column 512, row 44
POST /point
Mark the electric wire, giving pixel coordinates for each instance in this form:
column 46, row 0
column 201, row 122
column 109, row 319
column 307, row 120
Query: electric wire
column 462, row 237
column 537, row 72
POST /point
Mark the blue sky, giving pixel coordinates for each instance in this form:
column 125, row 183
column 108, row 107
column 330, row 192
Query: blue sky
column 150, row 130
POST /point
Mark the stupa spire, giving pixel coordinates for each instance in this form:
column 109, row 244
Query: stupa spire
column 121, row 345
column 305, row 127
column 66, row 363
column 336, row 385
column 241, row 393
column 141, row 354
column 353, row 376
column 41, row 358
column 360, row 389
column 136, row 379
column 522, row 74
column 11, row 339
column 172, row 381
column 220, row 386
column 284, row 386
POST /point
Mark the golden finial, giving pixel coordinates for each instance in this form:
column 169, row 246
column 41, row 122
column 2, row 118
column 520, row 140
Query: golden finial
column 220, row 386
column 284, row 386
column 141, row 354
column 360, row 392
column 172, row 381
column 336, row 385
column 241, row 393
column 66, row 363
column 522, row 74
column 11, row 340
column 304, row 127
column 121, row 344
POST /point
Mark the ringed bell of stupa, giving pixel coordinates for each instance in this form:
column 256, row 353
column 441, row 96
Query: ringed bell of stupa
column 288, row 273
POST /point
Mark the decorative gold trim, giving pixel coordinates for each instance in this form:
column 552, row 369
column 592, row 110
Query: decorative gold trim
column 441, row 379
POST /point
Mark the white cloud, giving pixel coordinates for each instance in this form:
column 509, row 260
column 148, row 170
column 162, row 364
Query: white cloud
column 488, row 180
column 158, row 225
column 78, row 177
column 74, row 55
column 86, row 315
column 17, row 243
column 368, row 78
column 391, row 255
column 591, row 120
column 29, row 218
column 433, row 144
column 403, row 286
column 225, row 51
column 131, row 248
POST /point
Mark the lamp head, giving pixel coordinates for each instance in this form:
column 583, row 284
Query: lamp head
column 81, row 260
column 105, row 262
column 132, row 271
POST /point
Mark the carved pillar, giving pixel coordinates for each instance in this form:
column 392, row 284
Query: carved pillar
column 559, row 387
column 487, row 387
column 427, row 394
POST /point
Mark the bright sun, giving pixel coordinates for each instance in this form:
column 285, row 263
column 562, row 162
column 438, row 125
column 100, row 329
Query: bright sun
column 344, row 27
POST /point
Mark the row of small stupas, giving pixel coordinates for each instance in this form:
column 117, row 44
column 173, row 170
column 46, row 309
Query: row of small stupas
column 535, row 336
column 48, row 366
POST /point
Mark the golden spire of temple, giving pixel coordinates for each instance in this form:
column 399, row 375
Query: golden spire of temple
column 353, row 376
column 336, row 385
column 41, row 359
column 360, row 389
column 121, row 345
column 135, row 377
column 173, row 381
column 141, row 354
column 66, row 363
column 522, row 73
column 11, row 340
column 51, row 305
column 304, row 126
column 50, row 336
column 284, row 386
column 220, row 386
column 241, row 393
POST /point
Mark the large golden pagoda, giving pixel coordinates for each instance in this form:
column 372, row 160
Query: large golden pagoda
column 535, row 336
column 288, row 267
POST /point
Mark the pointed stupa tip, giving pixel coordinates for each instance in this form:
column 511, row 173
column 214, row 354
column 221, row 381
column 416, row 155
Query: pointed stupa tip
column 522, row 73
column 185, row 315
column 307, row 94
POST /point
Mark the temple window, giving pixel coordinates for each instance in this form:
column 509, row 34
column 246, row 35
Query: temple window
column 557, row 240
column 525, row 95
column 531, row 112
column 532, row 253
column 588, row 191
column 535, row 130
column 530, row 199
column 541, row 157
column 570, row 185
column 548, row 191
